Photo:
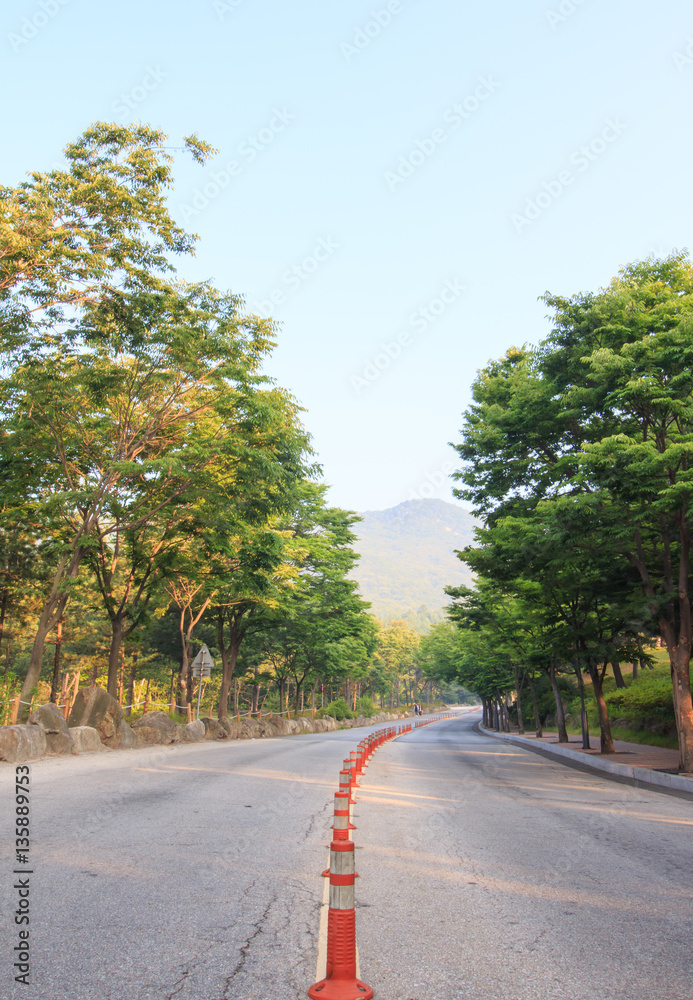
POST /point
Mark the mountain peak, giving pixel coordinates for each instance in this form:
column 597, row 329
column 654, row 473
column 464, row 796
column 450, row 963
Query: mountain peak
column 408, row 558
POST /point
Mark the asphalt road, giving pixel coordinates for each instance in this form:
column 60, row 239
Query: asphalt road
column 486, row 871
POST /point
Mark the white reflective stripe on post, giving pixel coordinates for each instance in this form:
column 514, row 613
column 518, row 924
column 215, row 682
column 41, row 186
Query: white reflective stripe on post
column 342, row 897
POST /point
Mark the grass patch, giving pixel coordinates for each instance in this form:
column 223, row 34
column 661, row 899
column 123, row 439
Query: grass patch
column 642, row 712
column 627, row 735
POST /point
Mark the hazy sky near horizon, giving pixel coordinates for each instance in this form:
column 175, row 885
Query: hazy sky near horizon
column 397, row 182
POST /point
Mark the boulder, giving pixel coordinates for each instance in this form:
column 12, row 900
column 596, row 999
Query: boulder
column 280, row 725
column 21, row 743
column 52, row 721
column 294, row 726
column 156, row 728
column 306, row 725
column 86, row 739
column 215, row 730
column 330, row 723
column 250, row 729
column 265, row 728
column 193, row 732
column 128, row 739
column 234, row 728
column 95, row 707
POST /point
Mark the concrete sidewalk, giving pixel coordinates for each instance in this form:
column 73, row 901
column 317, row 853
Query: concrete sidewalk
column 634, row 763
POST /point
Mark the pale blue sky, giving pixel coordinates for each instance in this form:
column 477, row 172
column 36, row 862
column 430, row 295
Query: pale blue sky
column 306, row 200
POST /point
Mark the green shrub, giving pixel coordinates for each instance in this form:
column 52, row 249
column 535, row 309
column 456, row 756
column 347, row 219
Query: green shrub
column 366, row 707
column 339, row 710
column 646, row 705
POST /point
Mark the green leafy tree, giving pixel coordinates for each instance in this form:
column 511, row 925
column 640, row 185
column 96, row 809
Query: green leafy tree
column 601, row 415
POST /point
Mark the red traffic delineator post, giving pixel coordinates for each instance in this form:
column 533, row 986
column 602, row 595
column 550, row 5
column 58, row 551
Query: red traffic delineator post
column 354, row 758
column 341, row 982
column 350, row 764
column 341, row 825
column 345, row 784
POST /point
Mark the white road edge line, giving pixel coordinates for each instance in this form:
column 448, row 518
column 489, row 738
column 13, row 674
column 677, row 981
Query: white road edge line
column 322, row 931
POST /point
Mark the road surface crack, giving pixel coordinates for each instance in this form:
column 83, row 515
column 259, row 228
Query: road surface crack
column 314, row 820
column 245, row 948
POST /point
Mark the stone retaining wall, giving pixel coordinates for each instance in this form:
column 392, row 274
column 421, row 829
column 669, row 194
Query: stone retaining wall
column 98, row 724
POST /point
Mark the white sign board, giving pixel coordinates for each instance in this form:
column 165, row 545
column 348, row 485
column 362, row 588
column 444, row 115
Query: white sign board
column 202, row 664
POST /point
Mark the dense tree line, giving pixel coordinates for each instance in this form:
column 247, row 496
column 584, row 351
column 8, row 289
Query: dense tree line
column 157, row 489
column 578, row 456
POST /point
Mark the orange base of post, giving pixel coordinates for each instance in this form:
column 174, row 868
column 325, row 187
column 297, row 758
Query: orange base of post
column 339, row 989
column 341, row 983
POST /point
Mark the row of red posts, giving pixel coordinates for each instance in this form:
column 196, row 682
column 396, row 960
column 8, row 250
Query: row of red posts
column 341, row 981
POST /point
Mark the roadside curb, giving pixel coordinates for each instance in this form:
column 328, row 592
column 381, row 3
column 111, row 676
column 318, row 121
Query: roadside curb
column 671, row 784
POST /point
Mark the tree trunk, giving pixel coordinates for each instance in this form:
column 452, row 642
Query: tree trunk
column 182, row 693
column 3, row 613
column 535, row 707
column 678, row 642
column 618, row 676
column 190, row 686
column 560, row 711
column 131, row 683
column 254, row 692
column 606, row 739
column 683, row 704
column 518, row 686
column 229, row 656
column 52, row 611
column 51, row 614
column 635, row 670
column 63, row 690
column 117, row 629
column 121, row 676
column 583, row 709
column 56, row 661
column 184, row 698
